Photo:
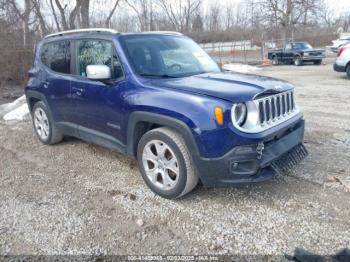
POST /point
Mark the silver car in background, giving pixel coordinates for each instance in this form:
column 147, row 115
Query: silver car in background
column 342, row 41
column 342, row 63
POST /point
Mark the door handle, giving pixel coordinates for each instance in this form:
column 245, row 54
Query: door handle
column 78, row 89
column 45, row 84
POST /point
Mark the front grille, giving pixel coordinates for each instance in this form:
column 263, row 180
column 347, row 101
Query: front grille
column 276, row 107
column 315, row 53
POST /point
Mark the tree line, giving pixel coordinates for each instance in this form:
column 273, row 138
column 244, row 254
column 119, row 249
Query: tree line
column 273, row 18
column 23, row 22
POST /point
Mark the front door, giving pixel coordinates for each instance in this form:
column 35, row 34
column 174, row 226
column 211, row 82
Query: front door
column 98, row 104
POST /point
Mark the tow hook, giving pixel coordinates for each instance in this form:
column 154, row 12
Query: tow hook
column 260, row 149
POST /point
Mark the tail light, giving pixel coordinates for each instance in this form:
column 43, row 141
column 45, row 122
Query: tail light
column 341, row 50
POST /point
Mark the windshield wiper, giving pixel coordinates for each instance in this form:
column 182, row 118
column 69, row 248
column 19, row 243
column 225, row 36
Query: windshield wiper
column 196, row 73
column 159, row 75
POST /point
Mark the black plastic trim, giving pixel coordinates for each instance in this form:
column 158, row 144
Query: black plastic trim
column 339, row 68
column 154, row 118
column 40, row 96
column 92, row 136
column 219, row 171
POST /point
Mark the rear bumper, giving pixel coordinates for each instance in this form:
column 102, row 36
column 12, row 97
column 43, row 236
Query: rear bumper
column 244, row 164
column 339, row 68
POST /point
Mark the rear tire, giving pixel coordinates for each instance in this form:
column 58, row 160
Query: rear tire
column 166, row 164
column 44, row 126
column 348, row 71
column 298, row 61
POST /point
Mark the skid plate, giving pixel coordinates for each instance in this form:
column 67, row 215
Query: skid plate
column 289, row 160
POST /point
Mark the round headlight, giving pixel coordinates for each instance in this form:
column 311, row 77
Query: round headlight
column 239, row 114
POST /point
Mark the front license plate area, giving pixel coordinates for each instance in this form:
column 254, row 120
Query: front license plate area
column 289, row 160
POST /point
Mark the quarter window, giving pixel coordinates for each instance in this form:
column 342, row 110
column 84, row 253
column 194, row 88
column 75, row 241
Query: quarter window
column 98, row 52
column 57, row 56
column 289, row 47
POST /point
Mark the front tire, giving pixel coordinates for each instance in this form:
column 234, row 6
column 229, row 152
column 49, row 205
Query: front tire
column 166, row 164
column 275, row 60
column 298, row 61
column 44, row 126
column 317, row 62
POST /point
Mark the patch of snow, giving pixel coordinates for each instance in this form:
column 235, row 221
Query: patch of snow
column 18, row 113
column 16, row 110
column 5, row 108
column 240, row 68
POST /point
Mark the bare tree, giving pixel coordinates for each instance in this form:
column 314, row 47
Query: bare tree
column 58, row 27
column 288, row 13
column 345, row 22
column 111, row 13
column 38, row 12
column 197, row 24
column 84, row 13
column 69, row 19
column 179, row 12
column 62, row 12
column 24, row 16
column 214, row 17
column 74, row 13
column 144, row 12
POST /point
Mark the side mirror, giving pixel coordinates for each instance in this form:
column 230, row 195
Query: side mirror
column 98, row 72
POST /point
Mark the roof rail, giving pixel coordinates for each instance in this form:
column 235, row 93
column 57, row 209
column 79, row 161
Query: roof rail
column 162, row 32
column 104, row 30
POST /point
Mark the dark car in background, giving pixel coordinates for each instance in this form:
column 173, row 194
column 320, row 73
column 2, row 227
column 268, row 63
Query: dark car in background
column 297, row 53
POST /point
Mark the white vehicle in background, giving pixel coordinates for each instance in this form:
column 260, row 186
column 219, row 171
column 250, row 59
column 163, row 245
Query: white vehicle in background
column 343, row 40
column 342, row 63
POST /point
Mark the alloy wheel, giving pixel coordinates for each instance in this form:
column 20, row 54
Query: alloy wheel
column 160, row 164
column 41, row 123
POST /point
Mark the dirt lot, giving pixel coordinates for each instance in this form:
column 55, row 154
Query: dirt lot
column 76, row 198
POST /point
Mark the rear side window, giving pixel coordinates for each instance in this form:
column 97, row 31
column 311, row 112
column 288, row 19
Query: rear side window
column 57, row 56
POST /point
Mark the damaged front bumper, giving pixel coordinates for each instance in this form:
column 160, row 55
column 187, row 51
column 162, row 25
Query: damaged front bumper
column 255, row 163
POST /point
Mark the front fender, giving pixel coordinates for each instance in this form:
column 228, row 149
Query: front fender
column 190, row 114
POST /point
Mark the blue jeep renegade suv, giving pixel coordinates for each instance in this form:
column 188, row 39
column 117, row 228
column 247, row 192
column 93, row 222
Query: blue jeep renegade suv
column 159, row 98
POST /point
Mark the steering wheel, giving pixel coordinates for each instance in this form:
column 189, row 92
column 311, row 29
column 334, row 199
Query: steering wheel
column 175, row 67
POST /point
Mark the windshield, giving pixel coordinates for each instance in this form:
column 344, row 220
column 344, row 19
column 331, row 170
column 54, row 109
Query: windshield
column 302, row 46
column 167, row 56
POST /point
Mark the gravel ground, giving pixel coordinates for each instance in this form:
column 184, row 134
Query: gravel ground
column 77, row 198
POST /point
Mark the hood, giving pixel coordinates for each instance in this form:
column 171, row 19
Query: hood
column 234, row 87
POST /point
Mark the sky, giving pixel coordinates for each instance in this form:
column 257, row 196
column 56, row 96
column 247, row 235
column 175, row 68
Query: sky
column 338, row 6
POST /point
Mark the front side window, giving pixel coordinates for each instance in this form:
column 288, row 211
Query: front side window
column 167, row 55
column 57, row 56
column 98, row 52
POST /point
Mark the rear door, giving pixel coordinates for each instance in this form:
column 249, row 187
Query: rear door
column 98, row 105
column 56, row 78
